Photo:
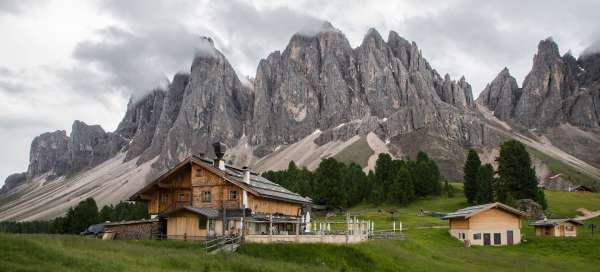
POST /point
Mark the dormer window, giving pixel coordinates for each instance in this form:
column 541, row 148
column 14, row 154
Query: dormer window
column 233, row 195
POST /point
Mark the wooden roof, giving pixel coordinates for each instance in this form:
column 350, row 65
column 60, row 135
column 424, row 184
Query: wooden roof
column 473, row 210
column 554, row 222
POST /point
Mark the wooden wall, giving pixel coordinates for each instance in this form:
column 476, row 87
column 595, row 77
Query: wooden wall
column 270, row 206
column 204, row 180
column 459, row 223
column 494, row 219
column 185, row 224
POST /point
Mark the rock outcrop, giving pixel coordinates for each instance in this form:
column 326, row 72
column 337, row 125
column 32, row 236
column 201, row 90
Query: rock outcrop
column 57, row 154
column 140, row 122
column 47, row 152
column 501, row 95
column 13, row 181
column 559, row 89
column 215, row 107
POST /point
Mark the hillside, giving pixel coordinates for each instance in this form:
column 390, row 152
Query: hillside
column 423, row 250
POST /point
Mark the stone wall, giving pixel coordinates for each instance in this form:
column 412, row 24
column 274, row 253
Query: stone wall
column 134, row 230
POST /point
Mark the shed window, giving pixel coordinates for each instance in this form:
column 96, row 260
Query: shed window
column 233, row 195
column 497, row 239
column 206, row 196
column 570, row 228
column 199, row 172
column 181, row 197
column 477, row 236
column 201, row 222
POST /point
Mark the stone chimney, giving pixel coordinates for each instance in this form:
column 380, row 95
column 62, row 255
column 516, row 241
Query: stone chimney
column 246, row 175
column 220, row 149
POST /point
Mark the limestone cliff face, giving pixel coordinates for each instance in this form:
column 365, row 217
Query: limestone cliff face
column 57, row 154
column 46, row 153
column 559, row 89
column 140, row 122
column 501, row 95
column 318, row 82
column 215, row 106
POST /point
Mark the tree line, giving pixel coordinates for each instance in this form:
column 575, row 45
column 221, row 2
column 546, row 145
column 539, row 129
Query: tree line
column 78, row 218
column 336, row 184
column 514, row 179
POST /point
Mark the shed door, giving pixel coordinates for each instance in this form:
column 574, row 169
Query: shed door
column 497, row 239
column 509, row 237
column 487, row 239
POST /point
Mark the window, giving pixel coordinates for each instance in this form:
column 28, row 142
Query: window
column 211, row 224
column 201, row 222
column 206, row 196
column 181, row 197
column 163, row 197
column 233, row 195
column 570, row 228
column 497, row 239
column 477, row 236
column 199, row 172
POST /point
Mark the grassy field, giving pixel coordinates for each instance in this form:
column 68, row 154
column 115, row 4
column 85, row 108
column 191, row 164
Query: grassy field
column 423, row 250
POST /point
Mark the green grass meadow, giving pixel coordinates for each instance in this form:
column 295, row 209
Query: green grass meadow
column 423, row 250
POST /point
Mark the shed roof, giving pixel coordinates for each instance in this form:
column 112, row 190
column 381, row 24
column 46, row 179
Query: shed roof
column 554, row 222
column 473, row 210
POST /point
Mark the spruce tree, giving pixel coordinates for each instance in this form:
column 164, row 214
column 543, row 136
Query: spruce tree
column 485, row 177
column 471, row 170
column 516, row 176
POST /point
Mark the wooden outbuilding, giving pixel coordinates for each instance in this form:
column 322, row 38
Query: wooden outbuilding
column 489, row 224
column 565, row 227
column 582, row 188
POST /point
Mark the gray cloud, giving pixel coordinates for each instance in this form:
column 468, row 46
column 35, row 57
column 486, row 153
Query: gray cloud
column 16, row 6
column 149, row 46
column 136, row 62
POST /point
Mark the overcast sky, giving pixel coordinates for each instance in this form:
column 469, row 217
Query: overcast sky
column 67, row 60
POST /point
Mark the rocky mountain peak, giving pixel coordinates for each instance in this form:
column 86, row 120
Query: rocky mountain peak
column 556, row 90
column 548, row 48
column 501, row 95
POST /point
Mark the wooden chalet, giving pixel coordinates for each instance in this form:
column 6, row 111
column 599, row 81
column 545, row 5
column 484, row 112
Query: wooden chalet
column 488, row 224
column 564, row 227
column 201, row 198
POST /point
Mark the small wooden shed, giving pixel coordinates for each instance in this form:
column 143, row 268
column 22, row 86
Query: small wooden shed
column 582, row 188
column 564, row 227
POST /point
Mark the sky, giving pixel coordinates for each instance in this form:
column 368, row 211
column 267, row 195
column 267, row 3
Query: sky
column 62, row 61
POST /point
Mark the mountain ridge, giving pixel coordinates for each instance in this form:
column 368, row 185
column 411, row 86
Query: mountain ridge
column 316, row 98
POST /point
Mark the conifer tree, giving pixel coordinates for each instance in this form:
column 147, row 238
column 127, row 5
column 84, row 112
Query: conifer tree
column 471, row 170
column 485, row 193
